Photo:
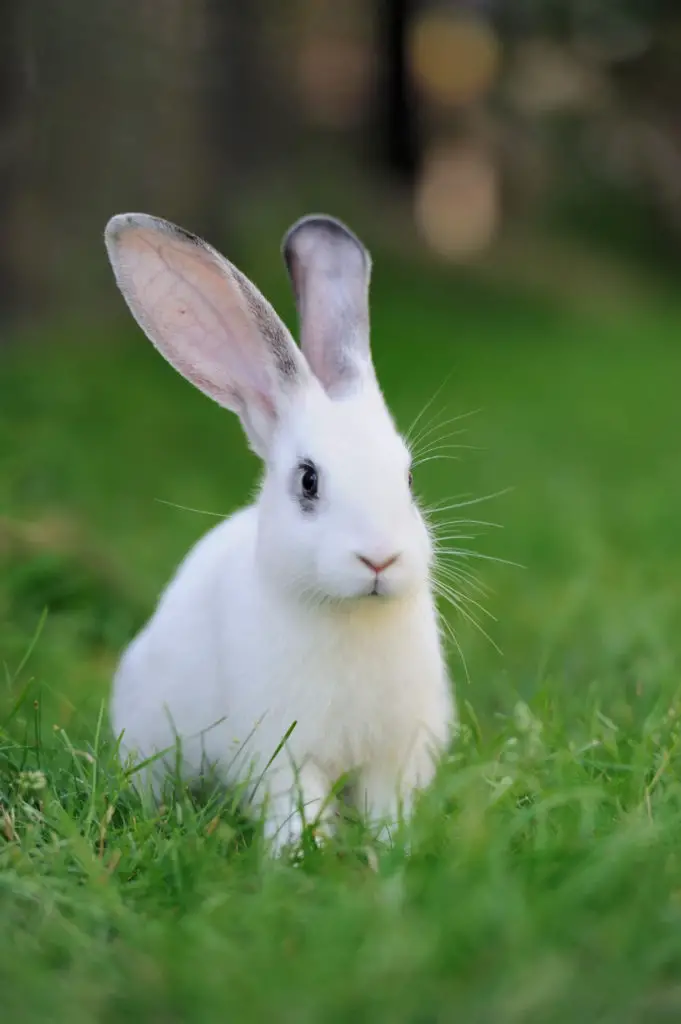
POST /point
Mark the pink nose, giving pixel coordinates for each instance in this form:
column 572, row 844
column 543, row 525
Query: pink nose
column 378, row 567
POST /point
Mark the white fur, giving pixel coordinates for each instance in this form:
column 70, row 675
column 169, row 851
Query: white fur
column 269, row 620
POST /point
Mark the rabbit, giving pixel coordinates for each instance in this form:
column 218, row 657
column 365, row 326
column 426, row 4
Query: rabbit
column 304, row 625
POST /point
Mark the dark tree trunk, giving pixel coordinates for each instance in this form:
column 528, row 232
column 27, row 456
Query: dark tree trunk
column 234, row 89
column 398, row 114
column 10, row 95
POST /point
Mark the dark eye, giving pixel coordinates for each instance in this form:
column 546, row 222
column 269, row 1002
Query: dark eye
column 410, row 478
column 309, row 479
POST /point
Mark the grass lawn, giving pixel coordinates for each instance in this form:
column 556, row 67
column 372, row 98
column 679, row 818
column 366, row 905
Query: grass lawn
column 544, row 882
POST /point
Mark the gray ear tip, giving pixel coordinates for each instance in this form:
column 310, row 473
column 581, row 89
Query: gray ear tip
column 117, row 224
column 121, row 222
column 322, row 227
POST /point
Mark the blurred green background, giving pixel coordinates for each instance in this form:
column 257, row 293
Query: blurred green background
column 514, row 169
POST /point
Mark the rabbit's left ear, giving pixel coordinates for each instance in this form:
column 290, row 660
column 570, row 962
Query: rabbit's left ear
column 209, row 321
column 330, row 271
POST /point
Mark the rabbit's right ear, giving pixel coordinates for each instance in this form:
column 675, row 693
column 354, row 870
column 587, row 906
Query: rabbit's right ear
column 330, row 271
column 207, row 319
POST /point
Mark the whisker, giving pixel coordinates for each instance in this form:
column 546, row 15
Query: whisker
column 452, row 590
column 462, row 576
column 469, row 501
column 464, row 583
column 187, row 508
column 440, row 542
column 434, row 425
column 428, row 404
column 443, row 446
column 464, row 522
column 476, row 604
column 434, row 458
column 467, row 553
column 448, row 629
column 452, row 566
column 454, row 599
column 429, row 441
column 445, row 504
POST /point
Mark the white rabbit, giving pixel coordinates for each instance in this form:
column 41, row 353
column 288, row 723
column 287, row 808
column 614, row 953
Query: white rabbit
column 313, row 605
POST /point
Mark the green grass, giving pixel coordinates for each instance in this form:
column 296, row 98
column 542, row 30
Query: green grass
column 544, row 882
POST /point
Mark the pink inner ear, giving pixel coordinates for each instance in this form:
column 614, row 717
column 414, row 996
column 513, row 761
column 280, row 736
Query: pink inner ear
column 330, row 270
column 189, row 303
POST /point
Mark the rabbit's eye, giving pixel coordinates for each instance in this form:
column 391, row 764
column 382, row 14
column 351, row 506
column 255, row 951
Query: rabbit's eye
column 309, row 479
column 410, row 479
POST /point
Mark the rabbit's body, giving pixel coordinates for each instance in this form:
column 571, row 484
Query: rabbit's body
column 313, row 606
column 364, row 684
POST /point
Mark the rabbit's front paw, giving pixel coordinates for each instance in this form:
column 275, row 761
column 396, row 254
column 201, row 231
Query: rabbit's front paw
column 301, row 802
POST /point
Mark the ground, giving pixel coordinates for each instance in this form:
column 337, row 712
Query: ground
column 544, row 882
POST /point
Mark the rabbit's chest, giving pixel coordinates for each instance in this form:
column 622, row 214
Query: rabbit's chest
column 343, row 691
column 367, row 702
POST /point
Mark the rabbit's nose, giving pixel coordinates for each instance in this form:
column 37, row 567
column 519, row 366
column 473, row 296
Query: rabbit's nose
column 378, row 567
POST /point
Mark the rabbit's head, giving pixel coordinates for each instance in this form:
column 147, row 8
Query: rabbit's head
column 337, row 519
